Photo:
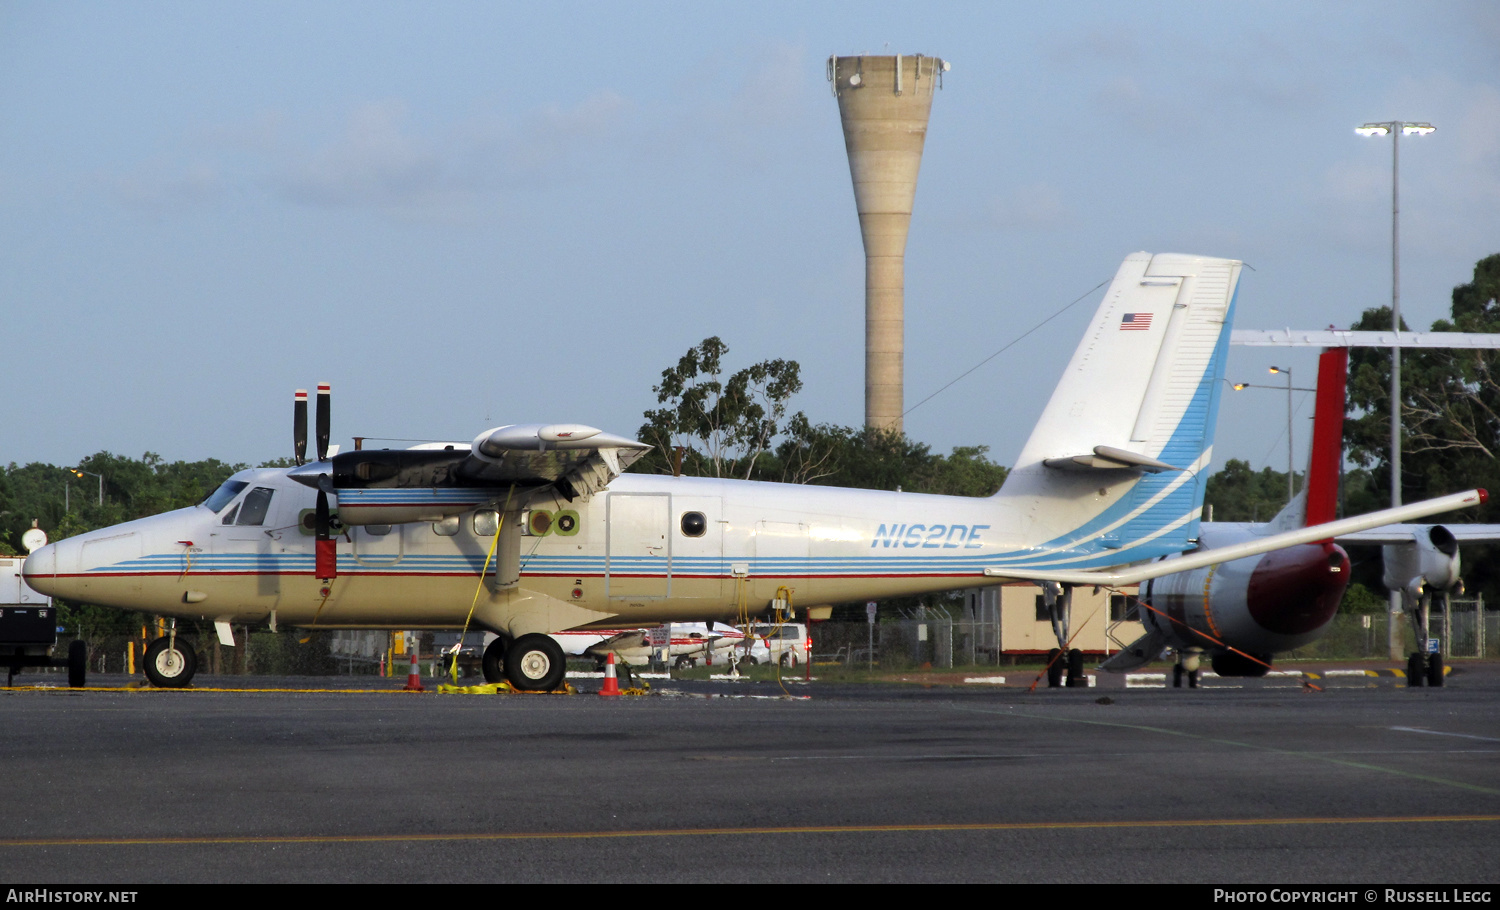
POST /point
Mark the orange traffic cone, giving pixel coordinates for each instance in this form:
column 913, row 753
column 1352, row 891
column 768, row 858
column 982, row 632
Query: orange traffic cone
column 414, row 677
column 611, row 683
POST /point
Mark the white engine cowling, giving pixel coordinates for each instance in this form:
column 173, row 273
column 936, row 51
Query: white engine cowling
column 1429, row 563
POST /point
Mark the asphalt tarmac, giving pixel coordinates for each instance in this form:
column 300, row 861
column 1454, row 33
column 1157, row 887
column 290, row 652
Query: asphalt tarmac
column 1363, row 782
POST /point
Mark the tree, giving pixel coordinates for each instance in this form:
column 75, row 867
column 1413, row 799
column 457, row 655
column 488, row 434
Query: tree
column 1239, row 494
column 1450, row 413
column 734, row 421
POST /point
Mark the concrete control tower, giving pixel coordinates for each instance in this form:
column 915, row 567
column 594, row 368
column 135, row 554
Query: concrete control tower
column 884, row 103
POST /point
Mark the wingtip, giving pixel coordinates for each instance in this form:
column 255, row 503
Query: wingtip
column 1484, row 496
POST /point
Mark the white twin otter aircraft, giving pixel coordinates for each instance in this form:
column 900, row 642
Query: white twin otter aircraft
column 533, row 529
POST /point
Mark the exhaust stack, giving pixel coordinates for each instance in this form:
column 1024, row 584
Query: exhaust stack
column 884, row 103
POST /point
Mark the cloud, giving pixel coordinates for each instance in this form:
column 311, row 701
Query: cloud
column 1035, row 207
column 159, row 188
column 375, row 162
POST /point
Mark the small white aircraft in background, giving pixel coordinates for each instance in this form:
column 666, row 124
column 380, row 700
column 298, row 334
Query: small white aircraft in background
column 691, row 643
column 531, row 529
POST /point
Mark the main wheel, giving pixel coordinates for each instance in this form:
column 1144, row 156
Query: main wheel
column 1434, row 669
column 1056, row 664
column 535, row 663
column 169, row 667
column 494, row 660
column 1075, row 669
column 78, row 663
column 1416, row 669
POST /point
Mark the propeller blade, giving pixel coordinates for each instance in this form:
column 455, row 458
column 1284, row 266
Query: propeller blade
column 325, row 556
column 299, row 425
column 324, row 396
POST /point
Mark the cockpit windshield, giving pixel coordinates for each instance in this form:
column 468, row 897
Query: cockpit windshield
column 227, row 491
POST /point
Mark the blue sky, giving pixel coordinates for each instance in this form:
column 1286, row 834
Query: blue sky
column 468, row 214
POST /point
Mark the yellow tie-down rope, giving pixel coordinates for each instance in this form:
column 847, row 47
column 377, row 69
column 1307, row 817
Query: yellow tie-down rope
column 494, row 545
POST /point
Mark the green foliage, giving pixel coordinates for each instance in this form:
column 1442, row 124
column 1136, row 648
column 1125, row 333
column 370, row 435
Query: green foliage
column 1240, row 494
column 740, row 427
column 1360, row 599
column 1450, row 414
column 65, row 505
column 723, row 425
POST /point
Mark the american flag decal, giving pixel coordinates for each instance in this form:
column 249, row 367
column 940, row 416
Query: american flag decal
column 1135, row 322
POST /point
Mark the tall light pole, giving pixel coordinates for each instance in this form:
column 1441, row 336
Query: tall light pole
column 1290, row 465
column 79, row 474
column 1396, row 129
column 1291, row 472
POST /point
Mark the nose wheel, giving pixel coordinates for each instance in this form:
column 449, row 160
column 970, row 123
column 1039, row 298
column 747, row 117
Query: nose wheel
column 1424, row 669
column 171, row 662
column 1187, row 667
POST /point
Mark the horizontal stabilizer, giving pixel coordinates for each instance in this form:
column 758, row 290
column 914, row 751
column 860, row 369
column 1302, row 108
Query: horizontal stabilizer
column 1109, row 458
column 1201, row 558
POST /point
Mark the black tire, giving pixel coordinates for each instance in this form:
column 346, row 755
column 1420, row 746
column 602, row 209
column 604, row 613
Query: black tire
column 1416, row 669
column 169, row 667
column 1434, row 669
column 78, row 664
column 493, row 662
column 1192, row 679
column 1055, row 667
column 535, row 663
column 1075, row 669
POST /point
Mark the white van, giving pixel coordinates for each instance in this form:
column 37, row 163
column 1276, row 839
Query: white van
column 767, row 643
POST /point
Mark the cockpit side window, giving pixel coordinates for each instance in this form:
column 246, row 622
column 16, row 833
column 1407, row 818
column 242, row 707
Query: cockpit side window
column 253, row 511
column 229, row 516
column 226, row 492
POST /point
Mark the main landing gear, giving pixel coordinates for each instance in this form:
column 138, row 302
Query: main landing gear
column 1059, row 602
column 531, row 663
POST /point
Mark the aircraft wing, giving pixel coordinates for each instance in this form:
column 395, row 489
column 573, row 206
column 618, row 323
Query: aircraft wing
column 1391, row 535
column 1199, row 559
column 384, row 486
column 580, row 460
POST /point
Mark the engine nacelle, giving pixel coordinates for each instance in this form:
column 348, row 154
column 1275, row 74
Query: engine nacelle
column 1429, row 563
column 1261, row 604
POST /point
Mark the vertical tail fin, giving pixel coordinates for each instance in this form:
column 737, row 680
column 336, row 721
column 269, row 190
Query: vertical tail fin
column 1112, row 471
column 1327, row 452
column 1319, row 499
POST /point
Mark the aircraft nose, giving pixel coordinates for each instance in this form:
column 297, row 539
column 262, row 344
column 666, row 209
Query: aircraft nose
column 40, row 570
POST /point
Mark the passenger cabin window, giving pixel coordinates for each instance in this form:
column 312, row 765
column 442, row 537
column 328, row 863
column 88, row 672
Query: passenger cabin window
column 486, row 523
column 253, row 509
column 693, row 524
column 448, row 527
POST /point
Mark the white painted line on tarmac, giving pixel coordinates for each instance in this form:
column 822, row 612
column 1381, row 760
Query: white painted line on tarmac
column 1488, row 739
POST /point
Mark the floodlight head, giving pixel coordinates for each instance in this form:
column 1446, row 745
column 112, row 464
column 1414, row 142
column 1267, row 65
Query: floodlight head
column 1372, row 129
column 1241, row 386
column 1280, row 370
column 1417, row 129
